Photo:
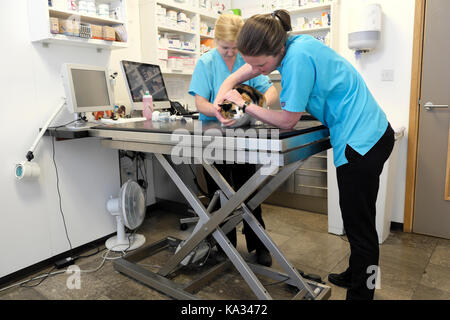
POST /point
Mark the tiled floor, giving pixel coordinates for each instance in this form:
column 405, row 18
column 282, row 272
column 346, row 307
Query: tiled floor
column 412, row 266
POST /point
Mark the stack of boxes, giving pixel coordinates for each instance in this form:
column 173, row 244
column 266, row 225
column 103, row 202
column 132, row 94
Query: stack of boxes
column 175, row 62
column 73, row 25
column 173, row 19
column 75, row 28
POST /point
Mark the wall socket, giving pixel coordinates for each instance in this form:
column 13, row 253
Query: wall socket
column 387, row 75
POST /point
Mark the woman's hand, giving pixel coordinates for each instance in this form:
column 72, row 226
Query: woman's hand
column 235, row 97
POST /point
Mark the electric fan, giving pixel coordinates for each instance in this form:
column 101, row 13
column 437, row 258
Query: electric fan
column 129, row 210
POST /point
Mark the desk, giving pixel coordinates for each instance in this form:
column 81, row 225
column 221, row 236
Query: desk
column 278, row 152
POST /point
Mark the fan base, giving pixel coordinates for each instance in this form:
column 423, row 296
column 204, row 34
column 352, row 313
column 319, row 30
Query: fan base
column 136, row 241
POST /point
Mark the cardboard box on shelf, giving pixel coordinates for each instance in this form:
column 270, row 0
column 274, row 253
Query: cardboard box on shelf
column 109, row 33
column 96, row 31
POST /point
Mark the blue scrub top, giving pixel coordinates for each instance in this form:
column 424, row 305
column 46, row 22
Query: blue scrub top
column 314, row 78
column 211, row 70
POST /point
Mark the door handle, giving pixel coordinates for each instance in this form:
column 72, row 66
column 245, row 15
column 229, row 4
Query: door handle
column 430, row 106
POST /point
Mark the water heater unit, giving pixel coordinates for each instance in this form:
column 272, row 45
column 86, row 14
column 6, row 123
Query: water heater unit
column 367, row 29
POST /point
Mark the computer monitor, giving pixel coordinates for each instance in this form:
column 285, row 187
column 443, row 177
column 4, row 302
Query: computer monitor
column 140, row 77
column 87, row 88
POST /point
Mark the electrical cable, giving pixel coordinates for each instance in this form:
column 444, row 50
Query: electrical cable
column 57, row 187
column 50, row 273
column 207, row 256
column 45, row 276
column 274, row 283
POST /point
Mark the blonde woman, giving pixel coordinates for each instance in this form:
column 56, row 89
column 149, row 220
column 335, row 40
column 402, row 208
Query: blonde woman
column 211, row 70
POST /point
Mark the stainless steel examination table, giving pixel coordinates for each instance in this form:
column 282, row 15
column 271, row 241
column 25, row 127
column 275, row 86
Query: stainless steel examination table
column 277, row 152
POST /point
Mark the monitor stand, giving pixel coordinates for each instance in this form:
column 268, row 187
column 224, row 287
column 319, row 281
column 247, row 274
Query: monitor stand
column 80, row 123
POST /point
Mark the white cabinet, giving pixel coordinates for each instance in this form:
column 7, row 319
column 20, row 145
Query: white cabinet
column 57, row 22
column 316, row 18
column 172, row 33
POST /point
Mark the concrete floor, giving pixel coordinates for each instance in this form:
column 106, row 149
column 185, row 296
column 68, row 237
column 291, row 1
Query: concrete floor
column 412, row 266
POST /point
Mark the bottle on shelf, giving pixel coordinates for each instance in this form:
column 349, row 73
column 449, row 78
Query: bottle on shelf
column 147, row 101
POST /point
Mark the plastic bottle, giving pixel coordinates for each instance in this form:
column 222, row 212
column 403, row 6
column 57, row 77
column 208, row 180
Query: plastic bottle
column 147, row 101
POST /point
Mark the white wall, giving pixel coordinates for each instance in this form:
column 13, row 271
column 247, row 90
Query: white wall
column 395, row 53
column 31, row 229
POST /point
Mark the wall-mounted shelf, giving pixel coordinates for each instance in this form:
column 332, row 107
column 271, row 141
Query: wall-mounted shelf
column 152, row 28
column 179, row 72
column 187, row 8
column 80, row 42
column 176, row 30
column 40, row 14
column 312, row 30
column 204, row 36
column 84, row 17
column 181, row 51
column 311, row 8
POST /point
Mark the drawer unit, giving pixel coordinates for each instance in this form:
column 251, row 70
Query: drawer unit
column 312, row 182
column 288, row 185
column 314, row 178
column 314, row 162
column 311, row 191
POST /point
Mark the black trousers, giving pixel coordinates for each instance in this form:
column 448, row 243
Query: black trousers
column 358, row 183
column 236, row 175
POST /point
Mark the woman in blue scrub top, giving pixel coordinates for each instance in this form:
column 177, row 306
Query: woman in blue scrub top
column 314, row 78
column 210, row 71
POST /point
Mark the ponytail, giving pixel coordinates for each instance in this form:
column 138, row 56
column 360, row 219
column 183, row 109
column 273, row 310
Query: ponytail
column 264, row 34
column 284, row 18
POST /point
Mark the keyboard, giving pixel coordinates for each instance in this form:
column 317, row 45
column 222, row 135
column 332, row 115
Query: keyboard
column 122, row 120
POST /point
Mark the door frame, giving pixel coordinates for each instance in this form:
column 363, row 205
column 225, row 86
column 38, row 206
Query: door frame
column 414, row 109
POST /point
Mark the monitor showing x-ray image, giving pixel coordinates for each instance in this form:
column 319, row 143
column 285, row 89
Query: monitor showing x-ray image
column 87, row 88
column 141, row 77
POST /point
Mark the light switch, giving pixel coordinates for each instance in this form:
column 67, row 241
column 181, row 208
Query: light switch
column 387, row 75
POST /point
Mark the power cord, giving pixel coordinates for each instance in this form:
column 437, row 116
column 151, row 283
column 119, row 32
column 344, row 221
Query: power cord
column 46, row 275
column 57, row 185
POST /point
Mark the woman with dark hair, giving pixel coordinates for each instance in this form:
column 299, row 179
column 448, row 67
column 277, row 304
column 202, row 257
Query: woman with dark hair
column 314, row 78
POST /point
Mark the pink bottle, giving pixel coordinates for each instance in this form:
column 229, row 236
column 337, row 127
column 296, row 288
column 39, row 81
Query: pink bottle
column 147, row 101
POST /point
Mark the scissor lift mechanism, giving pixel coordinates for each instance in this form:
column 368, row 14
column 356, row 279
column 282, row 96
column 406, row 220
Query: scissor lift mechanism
column 291, row 152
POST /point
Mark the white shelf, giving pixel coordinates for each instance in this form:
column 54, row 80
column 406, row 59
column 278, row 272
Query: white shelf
column 176, row 30
column 204, row 36
column 312, row 30
column 151, row 27
column 77, row 41
column 310, row 8
column 189, row 9
column 83, row 17
column 177, row 72
column 180, row 51
column 39, row 14
column 177, row 6
column 206, row 15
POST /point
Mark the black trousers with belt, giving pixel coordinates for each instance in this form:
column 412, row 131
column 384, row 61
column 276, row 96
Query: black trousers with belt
column 236, row 175
column 358, row 183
